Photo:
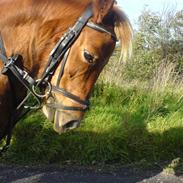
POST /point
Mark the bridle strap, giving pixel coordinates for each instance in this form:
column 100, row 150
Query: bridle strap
column 64, row 44
column 62, row 68
column 59, row 106
column 100, row 28
column 2, row 47
column 70, row 96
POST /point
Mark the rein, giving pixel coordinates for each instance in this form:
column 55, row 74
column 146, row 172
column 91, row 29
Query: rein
column 58, row 56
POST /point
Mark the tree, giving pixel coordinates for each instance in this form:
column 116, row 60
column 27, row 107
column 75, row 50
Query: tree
column 157, row 41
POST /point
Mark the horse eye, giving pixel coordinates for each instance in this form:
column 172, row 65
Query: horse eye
column 89, row 58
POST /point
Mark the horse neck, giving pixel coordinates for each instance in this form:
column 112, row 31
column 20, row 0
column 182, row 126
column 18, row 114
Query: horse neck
column 34, row 31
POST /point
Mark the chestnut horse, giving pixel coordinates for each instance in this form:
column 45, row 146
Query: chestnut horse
column 32, row 28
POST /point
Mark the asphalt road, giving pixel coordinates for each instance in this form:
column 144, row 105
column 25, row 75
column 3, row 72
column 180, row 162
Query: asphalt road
column 53, row 174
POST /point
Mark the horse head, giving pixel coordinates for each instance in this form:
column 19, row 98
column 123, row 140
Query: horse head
column 36, row 29
column 85, row 61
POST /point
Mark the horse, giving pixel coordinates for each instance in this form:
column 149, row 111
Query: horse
column 34, row 30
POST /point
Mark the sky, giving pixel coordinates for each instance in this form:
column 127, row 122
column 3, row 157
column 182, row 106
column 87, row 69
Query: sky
column 133, row 8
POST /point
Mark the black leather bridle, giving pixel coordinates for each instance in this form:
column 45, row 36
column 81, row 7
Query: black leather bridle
column 58, row 55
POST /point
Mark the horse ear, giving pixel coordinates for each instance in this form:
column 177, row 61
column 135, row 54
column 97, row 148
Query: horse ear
column 101, row 8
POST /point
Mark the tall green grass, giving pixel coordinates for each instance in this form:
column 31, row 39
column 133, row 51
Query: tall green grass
column 124, row 125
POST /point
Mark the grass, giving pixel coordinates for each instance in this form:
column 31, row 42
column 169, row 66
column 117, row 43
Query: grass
column 124, row 125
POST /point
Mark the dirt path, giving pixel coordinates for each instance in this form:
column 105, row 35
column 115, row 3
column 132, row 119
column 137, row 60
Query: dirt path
column 53, row 174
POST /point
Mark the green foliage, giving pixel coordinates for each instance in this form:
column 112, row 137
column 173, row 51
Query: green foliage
column 122, row 126
column 157, row 42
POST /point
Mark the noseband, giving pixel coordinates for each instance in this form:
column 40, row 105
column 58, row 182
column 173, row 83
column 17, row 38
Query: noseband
column 58, row 56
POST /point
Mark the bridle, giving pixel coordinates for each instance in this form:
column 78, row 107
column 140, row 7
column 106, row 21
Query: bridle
column 57, row 89
column 76, row 29
column 58, row 56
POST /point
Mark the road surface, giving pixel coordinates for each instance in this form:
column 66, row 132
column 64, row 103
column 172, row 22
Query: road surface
column 55, row 174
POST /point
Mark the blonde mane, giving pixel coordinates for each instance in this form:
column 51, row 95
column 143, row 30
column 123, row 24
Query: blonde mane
column 124, row 33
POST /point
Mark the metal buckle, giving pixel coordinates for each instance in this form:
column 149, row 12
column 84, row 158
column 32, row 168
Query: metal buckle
column 48, row 89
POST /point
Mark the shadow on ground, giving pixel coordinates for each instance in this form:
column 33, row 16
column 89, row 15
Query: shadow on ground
column 36, row 143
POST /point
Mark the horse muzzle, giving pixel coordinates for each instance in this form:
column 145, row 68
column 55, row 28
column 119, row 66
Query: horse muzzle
column 65, row 121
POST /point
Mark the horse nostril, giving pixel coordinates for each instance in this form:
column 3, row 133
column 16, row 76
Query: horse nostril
column 71, row 125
